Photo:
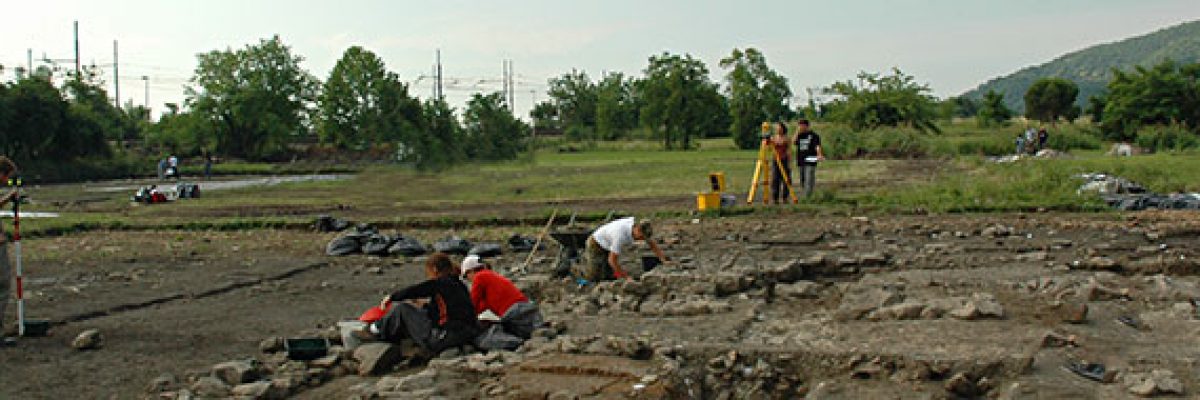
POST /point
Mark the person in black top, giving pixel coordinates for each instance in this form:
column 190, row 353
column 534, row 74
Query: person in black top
column 808, row 153
column 436, row 314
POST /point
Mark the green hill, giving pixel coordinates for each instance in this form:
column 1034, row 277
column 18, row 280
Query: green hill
column 1091, row 68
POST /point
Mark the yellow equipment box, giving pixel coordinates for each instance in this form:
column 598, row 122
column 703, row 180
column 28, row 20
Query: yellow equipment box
column 708, row 201
column 717, row 180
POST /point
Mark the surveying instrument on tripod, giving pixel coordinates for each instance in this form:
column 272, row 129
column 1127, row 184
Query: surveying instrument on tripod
column 768, row 160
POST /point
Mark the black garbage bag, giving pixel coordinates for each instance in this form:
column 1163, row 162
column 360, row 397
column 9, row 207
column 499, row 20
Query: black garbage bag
column 520, row 244
column 407, row 246
column 366, row 229
column 346, row 244
column 187, row 190
column 377, row 244
column 329, row 223
column 452, row 245
column 485, row 250
column 323, row 223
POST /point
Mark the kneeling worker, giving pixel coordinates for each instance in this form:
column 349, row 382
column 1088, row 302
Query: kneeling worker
column 604, row 247
column 492, row 292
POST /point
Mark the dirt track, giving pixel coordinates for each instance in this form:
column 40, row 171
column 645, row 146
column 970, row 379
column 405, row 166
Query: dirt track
column 858, row 308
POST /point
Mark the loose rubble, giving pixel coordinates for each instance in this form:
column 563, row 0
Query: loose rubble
column 88, row 340
column 863, row 308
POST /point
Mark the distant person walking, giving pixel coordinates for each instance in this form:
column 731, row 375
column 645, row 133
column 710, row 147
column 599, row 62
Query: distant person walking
column 1030, row 140
column 1042, row 137
column 162, row 168
column 173, row 167
column 7, row 170
column 1020, row 144
column 208, row 162
column 808, row 154
column 781, row 174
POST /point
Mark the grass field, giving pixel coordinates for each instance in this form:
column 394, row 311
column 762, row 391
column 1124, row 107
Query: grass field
column 630, row 176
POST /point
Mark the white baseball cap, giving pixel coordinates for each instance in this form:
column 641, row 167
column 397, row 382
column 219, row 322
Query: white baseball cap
column 471, row 263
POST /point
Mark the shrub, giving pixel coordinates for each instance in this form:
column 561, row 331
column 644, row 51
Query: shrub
column 841, row 142
column 1167, row 138
column 1069, row 138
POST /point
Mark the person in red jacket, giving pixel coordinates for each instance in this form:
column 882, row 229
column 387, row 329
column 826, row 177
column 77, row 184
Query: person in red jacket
column 492, row 292
column 489, row 290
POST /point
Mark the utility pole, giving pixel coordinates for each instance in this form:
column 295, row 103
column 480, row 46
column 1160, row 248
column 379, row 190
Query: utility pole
column 440, row 94
column 504, row 82
column 78, row 69
column 116, row 77
column 29, row 62
column 146, row 79
column 512, row 90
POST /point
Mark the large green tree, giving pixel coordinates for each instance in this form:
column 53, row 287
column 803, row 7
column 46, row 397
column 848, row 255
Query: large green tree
column 616, row 106
column 545, row 117
column 362, row 103
column 94, row 120
column 38, row 122
column 992, row 111
column 491, row 130
column 257, row 98
column 440, row 141
column 1163, row 94
column 680, row 102
column 38, row 116
column 877, row 100
column 756, row 94
column 574, row 96
column 181, row 132
column 1049, row 99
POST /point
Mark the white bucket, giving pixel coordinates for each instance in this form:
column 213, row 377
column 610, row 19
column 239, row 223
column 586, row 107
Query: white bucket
column 347, row 329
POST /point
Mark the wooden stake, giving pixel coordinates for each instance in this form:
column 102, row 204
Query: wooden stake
column 538, row 242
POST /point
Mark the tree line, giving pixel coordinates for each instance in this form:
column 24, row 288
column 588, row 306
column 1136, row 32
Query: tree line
column 257, row 101
column 74, row 120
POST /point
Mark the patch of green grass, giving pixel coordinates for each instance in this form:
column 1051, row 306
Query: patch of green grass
column 552, row 176
column 621, row 173
column 1028, row 185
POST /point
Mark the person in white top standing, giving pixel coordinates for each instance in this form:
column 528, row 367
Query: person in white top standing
column 605, row 245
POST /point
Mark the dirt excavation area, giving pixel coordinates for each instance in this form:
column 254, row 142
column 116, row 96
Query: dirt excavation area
column 1013, row 306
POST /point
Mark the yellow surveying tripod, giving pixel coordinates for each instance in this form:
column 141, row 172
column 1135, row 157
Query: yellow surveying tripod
column 762, row 169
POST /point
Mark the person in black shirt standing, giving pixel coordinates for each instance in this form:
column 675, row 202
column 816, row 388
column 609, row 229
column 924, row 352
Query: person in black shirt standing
column 446, row 318
column 808, row 154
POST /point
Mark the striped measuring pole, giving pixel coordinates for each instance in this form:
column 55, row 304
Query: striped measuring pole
column 17, row 256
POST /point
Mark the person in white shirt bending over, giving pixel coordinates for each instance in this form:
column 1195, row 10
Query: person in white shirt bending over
column 604, row 248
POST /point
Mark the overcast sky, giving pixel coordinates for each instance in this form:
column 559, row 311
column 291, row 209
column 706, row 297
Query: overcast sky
column 953, row 45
